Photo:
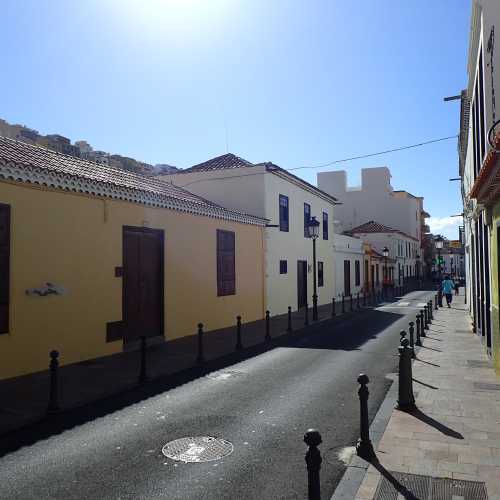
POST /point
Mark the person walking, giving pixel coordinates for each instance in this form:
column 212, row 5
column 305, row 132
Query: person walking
column 447, row 287
column 457, row 286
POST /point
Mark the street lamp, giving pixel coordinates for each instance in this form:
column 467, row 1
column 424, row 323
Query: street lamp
column 385, row 253
column 439, row 245
column 313, row 229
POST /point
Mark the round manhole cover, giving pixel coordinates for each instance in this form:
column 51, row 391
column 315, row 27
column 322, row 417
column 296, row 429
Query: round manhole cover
column 197, row 449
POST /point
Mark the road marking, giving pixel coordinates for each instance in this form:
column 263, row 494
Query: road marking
column 421, row 304
column 404, row 304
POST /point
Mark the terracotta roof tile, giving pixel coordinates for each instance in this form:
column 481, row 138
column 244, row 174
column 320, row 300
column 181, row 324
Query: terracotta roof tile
column 103, row 180
column 223, row 162
column 376, row 227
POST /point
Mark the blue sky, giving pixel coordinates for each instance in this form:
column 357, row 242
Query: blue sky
column 296, row 82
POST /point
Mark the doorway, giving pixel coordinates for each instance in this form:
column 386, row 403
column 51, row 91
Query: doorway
column 301, row 283
column 142, row 295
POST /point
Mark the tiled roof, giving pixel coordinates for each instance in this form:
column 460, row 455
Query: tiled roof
column 24, row 162
column 219, row 163
column 376, row 227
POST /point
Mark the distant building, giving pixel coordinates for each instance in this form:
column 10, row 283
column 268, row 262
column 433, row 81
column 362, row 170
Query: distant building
column 60, row 144
column 164, row 169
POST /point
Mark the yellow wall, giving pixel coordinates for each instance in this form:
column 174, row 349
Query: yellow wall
column 76, row 241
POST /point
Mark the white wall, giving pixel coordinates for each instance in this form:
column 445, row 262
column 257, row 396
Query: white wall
column 351, row 249
column 373, row 200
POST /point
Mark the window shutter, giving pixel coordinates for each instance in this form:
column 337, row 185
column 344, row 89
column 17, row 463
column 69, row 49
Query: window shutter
column 4, row 267
column 226, row 272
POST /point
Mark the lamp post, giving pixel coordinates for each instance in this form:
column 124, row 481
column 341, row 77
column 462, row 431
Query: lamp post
column 385, row 253
column 439, row 245
column 313, row 228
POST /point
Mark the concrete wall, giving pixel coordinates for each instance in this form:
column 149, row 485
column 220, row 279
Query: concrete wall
column 373, row 200
column 76, row 241
column 351, row 249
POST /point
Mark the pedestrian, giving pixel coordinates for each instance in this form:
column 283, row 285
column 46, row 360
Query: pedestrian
column 447, row 287
column 457, row 286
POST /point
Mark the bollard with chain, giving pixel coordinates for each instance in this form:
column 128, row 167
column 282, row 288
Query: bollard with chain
column 418, row 342
column 53, row 406
column 343, row 304
column 422, row 323
column 289, row 327
column 239, row 344
column 411, row 331
column 406, row 400
column 334, row 313
column 364, row 448
column 143, row 376
column 268, row 326
column 201, row 356
column 306, row 315
column 313, row 460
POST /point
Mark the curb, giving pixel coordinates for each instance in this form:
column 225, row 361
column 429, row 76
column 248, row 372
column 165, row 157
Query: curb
column 356, row 470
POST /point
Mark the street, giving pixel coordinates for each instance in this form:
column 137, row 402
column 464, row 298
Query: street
column 262, row 406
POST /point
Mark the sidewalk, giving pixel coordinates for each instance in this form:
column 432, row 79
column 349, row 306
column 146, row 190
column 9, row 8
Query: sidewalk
column 455, row 433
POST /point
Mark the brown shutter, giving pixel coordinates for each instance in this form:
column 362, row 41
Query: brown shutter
column 4, row 267
column 226, row 273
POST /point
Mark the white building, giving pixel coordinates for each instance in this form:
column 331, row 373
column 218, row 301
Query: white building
column 376, row 200
column 288, row 202
column 403, row 250
column 349, row 256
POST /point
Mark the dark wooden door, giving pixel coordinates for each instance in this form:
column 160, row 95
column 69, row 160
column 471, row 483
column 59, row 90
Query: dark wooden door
column 301, row 283
column 347, row 278
column 142, row 282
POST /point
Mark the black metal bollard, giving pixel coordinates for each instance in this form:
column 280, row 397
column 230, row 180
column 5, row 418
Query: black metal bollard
column 402, row 335
column 422, row 323
column 268, row 326
column 343, row 304
column 411, row 331
column 431, row 314
column 201, row 356
column 426, row 318
column 350, row 302
column 334, row 313
column 435, row 302
column 364, row 448
column 239, row 344
column 313, row 460
column 306, row 315
column 289, row 327
column 418, row 342
column 406, row 400
column 53, row 406
column 143, row 376
column 440, row 298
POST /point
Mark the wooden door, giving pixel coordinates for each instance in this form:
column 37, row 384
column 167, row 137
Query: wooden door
column 142, row 282
column 301, row 283
column 347, row 278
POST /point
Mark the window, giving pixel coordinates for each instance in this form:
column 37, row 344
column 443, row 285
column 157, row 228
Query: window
column 284, row 213
column 366, row 275
column 226, row 275
column 307, row 218
column 325, row 225
column 377, row 280
column 283, row 267
column 357, row 273
column 4, row 267
column 320, row 274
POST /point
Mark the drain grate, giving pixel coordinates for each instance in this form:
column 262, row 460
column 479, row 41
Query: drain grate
column 397, row 485
column 476, row 363
column 197, row 449
column 486, row 386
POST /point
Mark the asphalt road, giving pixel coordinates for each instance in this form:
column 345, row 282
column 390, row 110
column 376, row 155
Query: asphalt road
column 262, row 406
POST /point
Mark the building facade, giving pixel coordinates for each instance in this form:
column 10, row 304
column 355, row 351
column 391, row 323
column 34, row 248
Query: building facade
column 91, row 258
column 288, row 202
column 479, row 143
column 349, row 258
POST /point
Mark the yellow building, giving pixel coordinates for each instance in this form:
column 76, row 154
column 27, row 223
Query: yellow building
column 92, row 257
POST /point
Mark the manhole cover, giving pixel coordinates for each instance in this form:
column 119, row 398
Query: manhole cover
column 197, row 449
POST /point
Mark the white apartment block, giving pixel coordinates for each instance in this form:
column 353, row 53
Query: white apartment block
column 349, row 257
column 375, row 200
column 288, row 202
